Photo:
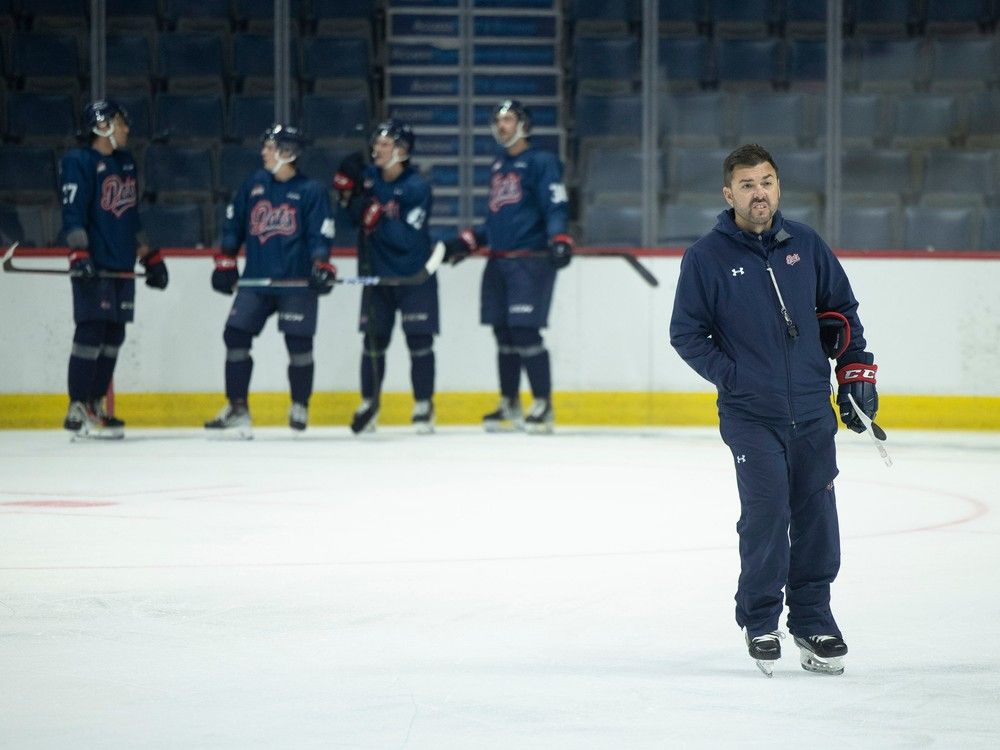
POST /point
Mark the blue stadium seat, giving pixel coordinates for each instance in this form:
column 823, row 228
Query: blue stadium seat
column 322, row 163
column 964, row 63
column 989, row 229
column 804, row 213
column 684, row 17
column 614, row 169
column 618, row 115
column 896, row 18
column 862, row 120
column 140, row 108
column 179, row 173
column 958, row 16
column 606, row 59
column 236, row 163
column 696, row 170
column 46, row 61
column 173, row 225
column 26, row 223
column 682, row 224
column 684, row 62
column 804, row 18
column 611, row 14
column 248, row 116
column 869, row 226
column 335, row 118
column 924, row 120
column 610, row 224
column 802, row 172
column 696, row 118
column 191, row 62
column 258, row 15
column 28, row 174
column 892, row 64
column 938, row 228
column 181, row 117
column 775, row 118
column 969, row 176
column 342, row 17
column 53, row 14
column 806, row 63
column 253, row 62
column 880, row 170
column 982, row 118
column 40, row 118
column 129, row 62
column 328, row 61
column 742, row 63
column 132, row 16
column 743, row 17
column 197, row 15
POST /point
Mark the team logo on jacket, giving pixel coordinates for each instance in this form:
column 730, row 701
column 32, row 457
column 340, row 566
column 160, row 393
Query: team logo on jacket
column 118, row 194
column 267, row 221
column 792, row 258
column 505, row 189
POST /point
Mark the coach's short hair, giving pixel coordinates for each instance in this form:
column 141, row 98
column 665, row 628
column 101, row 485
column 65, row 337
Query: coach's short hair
column 747, row 155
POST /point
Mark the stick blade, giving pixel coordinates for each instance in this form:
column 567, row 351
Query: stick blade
column 437, row 257
column 8, row 257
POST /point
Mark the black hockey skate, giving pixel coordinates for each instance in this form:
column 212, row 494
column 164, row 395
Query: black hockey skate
column 298, row 416
column 365, row 417
column 765, row 650
column 822, row 654
column 506, row 418
column 423, row 417
column 233, row 421
column 84, row 420
column 541, row 417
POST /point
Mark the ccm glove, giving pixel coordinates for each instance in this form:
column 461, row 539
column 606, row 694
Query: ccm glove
column 349, row 177
column 81, row 266
column 323, row 275
column 458, row 249
column 856, row 375
column 561, row 250
column 370, row 215
column 156, row 270
column 226, row 275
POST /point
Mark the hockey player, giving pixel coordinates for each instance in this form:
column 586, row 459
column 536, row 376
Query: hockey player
column 526, row 233
column 745, row 318
column 100, row 220
column 283, row 218
column 390, row 203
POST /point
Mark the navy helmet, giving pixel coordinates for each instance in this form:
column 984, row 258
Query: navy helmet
column 286, row 138
column 515, row 107
column 99, row 113
column 397, row 130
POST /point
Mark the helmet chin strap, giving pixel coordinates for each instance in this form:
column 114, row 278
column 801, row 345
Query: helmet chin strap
column 109, row 134
column 393, row 160
column 518, row 135
column 279, row 162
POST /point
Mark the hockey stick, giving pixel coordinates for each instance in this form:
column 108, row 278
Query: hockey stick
column 9, row 267
column 629, row 258
column 876, row 433
column 432, row 265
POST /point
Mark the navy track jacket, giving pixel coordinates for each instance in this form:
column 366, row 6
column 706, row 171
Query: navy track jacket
column 727, row 322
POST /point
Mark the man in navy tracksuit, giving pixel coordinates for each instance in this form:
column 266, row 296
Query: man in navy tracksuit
column 761, row 304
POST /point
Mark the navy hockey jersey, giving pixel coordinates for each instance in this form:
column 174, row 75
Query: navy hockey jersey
column 284, row 225
column 527, row 203
column 100, row 195
column 401, row 241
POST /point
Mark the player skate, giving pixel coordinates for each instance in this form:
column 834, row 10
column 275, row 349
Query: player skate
column 765, row 650
column 298, row 416
column 233, row 421
column 823, row 654
column 507, row 417
column 365, row 417
column 84, row 421
column 541, row 418
column 423, row 417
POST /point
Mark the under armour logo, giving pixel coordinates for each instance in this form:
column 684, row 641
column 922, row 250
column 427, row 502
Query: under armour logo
column 741, row 459
column 738, row 271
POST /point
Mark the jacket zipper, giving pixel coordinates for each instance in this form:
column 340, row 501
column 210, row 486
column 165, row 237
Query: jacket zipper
column 790, row 327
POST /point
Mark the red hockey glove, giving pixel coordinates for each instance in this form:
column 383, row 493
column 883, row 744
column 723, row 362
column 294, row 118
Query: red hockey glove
column 370, row 216
column 458, row 249
column 857, row 379
column 226, row 275
column 323, row 275
column 81, row 266
column 156, row 270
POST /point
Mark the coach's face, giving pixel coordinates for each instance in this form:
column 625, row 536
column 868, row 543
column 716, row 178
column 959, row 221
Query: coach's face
column 753, row 193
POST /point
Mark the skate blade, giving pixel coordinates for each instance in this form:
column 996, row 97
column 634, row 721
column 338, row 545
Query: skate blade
column 766, row 667
column 230, row 433
column 505, row 426
column 539, row 429
column 112, row 433
column 423, row 428
column 818, row 665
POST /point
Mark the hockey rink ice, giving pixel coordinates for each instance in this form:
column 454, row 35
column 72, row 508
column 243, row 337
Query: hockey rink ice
column 475, row 591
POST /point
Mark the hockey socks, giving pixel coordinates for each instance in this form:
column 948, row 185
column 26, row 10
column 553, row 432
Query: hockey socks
column 372, row 366
column 300, row 368
column 239, row 364
column 421, row 365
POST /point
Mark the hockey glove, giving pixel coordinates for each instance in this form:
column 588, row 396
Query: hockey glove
column 226, row 275
column 156, row 270
column 834, row 333
column 349, row 177
column 458, row 249
column 81, row 266
column 370, row 215
column 323, row 275
column 856, row 375
column 561, row 250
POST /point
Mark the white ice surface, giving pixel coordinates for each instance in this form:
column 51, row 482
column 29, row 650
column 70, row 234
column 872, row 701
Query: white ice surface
column 475, row 591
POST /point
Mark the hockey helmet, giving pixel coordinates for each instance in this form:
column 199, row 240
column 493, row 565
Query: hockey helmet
column 99, row 113
column 516, row 108
column 287, row 139
column 397, row 130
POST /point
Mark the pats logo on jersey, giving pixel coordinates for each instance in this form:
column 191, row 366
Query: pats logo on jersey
column 792, row 258
column 118, row 195
column 505, row 189
column 267, row 220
